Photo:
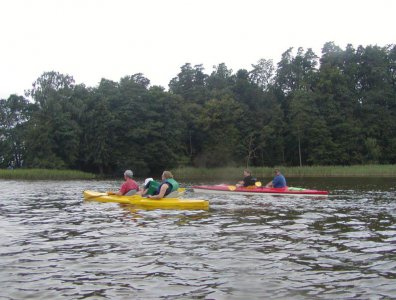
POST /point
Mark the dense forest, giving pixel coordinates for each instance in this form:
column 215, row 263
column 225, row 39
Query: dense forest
column 337, row 109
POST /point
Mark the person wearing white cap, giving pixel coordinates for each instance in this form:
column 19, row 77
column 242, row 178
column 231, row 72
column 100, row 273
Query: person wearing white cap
column 149, row 187
column 128, row 187
column 147, row 181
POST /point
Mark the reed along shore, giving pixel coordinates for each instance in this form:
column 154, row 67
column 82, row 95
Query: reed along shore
column 190, row 173
column 44, row 174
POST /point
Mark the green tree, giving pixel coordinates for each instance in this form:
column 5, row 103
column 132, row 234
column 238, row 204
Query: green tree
column 310, row 130
column 14, row 113
column 97, row 140
column 165, row 131
column 220, row 80
column 101, row 127
column 190, row 84
column 377, row 101
column 53, row 140
column 249, row 97
column 217, row 121
column 149, row 132
column 295, row 79
column 262, row 74
column 338, row 103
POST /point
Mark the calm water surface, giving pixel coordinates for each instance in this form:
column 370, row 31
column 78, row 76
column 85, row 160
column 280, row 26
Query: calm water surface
column 55, row 245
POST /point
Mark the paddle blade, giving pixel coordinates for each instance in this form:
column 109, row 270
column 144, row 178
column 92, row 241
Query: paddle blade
column 232, row 187
column 181, row 190
column 258, row 183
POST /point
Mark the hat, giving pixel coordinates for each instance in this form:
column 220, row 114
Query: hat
column 128, row 173
column 147, row 181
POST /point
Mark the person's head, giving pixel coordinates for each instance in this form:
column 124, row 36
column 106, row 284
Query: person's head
column 167, row 175
column 277, row 171
column 247, row 172
column 128, row 173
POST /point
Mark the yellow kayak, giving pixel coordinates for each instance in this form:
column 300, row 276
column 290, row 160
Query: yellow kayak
column 164, row 203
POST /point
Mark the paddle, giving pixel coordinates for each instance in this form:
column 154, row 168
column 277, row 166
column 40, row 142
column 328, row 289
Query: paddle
column 233, row 187
column 181, row 190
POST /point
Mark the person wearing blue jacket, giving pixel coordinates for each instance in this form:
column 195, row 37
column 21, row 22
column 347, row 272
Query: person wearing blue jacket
column 279, row 180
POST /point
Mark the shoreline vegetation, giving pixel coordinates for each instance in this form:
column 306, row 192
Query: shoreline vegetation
column 337, row 108
column 190, row 173
column 226, row 173
column 45, row 174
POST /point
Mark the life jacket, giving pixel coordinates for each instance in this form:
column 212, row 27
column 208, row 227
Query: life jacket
column 152, row 187
column 249, row 181
column 173, row 185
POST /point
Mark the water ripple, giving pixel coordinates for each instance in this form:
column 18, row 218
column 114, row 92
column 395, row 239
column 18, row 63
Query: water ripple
column 56, row 246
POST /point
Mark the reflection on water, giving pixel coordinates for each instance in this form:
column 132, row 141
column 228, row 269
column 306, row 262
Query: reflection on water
column 56, row 246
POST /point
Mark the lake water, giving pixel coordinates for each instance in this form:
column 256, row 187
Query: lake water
column 55, row 245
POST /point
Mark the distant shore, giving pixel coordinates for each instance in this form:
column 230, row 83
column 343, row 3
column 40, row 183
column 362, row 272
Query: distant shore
column 44, row 174
column 189, row 173
column 226, row 173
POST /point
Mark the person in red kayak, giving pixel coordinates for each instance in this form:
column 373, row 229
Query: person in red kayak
column 248, row 179
column 279, row 180
column 128, row 187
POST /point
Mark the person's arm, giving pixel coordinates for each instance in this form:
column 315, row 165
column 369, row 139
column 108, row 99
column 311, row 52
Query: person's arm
column 162, row 192
column 269, row 184
column 123, row 189
column 142, row 192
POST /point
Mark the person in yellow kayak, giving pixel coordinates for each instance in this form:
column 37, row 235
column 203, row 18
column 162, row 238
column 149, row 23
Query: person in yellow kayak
column 149, row 187
column 248, row 179
column 279, row 180
column 167, row 186
column 129, row 187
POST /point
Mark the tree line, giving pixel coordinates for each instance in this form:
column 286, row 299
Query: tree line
column 337, row 109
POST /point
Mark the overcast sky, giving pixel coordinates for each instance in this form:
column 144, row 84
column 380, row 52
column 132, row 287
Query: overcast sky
column 94, row 39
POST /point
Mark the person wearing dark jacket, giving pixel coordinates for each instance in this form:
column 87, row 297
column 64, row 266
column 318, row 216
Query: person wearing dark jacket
column 248, row 179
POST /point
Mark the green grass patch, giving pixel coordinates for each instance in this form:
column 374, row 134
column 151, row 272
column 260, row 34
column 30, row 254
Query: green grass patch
column 44, row 174
column 232, row 173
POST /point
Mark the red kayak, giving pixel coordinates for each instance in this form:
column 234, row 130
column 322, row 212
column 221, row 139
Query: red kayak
column 254, row 190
